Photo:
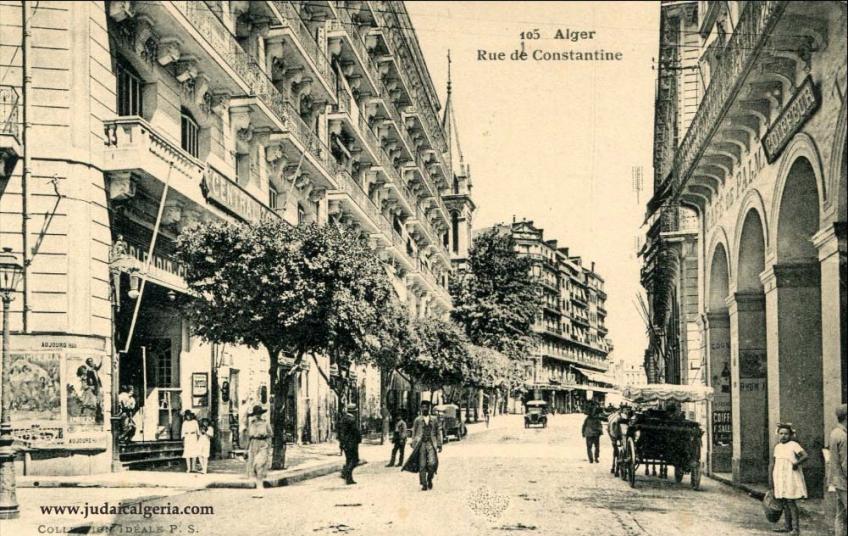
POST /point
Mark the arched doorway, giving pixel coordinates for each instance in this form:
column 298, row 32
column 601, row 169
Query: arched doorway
column 718, row 348
column 749, row 367
column 794, row 307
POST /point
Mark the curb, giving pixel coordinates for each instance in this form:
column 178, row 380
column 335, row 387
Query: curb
column 296, row 475
column 758, row 494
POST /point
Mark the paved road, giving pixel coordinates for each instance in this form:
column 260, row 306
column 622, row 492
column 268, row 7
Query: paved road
column 500, row 481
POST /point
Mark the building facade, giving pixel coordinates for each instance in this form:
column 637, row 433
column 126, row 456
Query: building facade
column 745, row 259
column 570, row 362
column 163, row 114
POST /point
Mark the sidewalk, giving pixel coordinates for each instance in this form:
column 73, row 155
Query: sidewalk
column 134, row 487
column 817, row 510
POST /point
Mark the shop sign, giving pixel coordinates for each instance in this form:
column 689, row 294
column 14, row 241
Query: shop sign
column 722, row 428
column 230, row 196
column 804, row 103
column 136, row 243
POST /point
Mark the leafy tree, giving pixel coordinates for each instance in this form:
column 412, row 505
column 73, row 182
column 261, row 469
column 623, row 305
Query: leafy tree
column 497, row 300
column 442, row 358
column 295, row 291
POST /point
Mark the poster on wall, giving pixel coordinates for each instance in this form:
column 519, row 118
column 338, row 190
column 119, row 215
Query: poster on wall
column 84, row 392
column 34, row 379
column 199, row 389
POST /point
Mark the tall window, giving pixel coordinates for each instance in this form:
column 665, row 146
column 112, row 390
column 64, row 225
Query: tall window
column 130, row 84
column 455, row 231
column 301, row 214
column 273, row 197
column 190, row 134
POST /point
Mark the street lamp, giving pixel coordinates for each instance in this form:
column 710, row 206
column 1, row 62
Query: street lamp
column 10, row 274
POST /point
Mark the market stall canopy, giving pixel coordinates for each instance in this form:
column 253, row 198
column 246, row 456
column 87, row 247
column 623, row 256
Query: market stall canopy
column 665, row 391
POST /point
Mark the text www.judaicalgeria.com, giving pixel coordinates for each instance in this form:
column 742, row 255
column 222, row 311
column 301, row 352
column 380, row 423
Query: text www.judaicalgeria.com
column 126, row 509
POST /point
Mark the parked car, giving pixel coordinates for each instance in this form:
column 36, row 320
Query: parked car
column 452, row 424
column 536, row 413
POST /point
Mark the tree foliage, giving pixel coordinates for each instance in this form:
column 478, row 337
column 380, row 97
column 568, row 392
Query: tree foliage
column 441, row 357
column 293, row 290
column 497, row 300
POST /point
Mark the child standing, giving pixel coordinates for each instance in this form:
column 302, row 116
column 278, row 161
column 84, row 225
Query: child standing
column 204, row 440
column 786, row 477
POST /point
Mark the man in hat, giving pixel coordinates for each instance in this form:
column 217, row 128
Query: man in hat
column 349, row 439
column 426, row 442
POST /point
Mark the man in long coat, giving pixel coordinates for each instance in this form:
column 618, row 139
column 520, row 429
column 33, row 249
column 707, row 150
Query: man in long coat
column 349, row 439
column 426, row 444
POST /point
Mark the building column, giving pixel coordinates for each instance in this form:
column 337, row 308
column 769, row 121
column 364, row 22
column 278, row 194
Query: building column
column 719, row 422
column 793, row 313
column 748, row 391
column 832, row 246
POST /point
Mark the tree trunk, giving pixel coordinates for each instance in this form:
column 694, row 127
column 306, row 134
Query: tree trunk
column 277, row 411
column 476, row 393
column 468, row 405
column 384, row 410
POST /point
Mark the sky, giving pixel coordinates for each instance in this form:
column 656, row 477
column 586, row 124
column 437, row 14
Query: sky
column 556, row 142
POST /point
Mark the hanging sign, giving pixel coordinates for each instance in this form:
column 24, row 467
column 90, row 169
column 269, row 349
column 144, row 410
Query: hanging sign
column 803, row 104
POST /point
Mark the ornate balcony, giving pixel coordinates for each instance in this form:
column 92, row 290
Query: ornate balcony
column 346, row 43
column 743, row 102
column 136, row 155
column 295, row 35
column 354, row 201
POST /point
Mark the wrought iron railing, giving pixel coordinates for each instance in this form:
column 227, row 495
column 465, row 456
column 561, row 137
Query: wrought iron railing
column 749, row 36
column 307, row 40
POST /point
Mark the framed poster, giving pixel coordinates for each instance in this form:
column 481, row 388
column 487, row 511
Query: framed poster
column 199, row 389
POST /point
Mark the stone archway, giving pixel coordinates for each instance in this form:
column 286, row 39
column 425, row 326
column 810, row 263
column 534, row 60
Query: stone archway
column 793, row 302
column 718, row 355
column 749, row 366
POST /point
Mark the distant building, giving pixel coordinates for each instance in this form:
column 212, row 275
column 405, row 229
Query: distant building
column 570, row 363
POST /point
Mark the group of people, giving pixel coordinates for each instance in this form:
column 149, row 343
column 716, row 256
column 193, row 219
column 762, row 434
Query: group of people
column 197, row 437
column 423, row 460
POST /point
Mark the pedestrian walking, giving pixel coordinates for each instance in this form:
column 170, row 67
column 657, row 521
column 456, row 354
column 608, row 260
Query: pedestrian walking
column 349, row 439
column 593, row 428
column 189, row 432
column 839, row 470
column 426, row 444
column 259, row 436
column 204, row 443
column 786, row 478
column 398, row 441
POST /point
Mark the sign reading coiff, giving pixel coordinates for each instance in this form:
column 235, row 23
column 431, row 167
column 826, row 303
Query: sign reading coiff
column 804, row 103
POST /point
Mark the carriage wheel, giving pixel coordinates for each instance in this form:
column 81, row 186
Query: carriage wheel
column 630, row 460
column 678, row 473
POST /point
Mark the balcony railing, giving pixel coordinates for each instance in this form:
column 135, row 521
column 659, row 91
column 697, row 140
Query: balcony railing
column 307, row 40
column 10, row 111
column 346, row 24
column 224, row 42
column 749, row 36
column 348, row 185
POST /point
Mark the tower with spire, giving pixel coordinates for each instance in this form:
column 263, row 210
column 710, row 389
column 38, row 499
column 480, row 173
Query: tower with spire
column 458, row 197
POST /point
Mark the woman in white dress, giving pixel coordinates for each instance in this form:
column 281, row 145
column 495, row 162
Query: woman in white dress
column 786, row 477
column 189, row 433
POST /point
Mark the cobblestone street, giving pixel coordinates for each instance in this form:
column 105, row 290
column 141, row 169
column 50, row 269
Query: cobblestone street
column 501, row 480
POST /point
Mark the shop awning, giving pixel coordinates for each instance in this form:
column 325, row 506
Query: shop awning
column 595, row 376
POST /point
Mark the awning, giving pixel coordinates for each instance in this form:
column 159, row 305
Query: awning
column 595, row 376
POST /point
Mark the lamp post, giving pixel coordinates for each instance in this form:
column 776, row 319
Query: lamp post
column 10, row 274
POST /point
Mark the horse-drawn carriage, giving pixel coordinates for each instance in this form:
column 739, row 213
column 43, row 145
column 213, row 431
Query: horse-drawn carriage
column 660, row 436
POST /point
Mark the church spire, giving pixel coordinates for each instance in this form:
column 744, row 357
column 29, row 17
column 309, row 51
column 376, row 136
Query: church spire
column 450, row 129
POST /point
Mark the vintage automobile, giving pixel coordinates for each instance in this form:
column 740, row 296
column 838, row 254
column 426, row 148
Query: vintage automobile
column 452, row 425
column 536, row 413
